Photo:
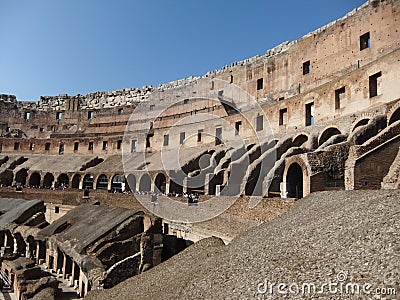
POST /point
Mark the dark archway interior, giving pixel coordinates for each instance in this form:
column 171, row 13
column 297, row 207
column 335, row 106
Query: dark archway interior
column 75, row 181
column 395, row 116
column 145, row 183
column 117, row 183
column 327, row 134
column 102, row 182
column 294, row 181
column 63, row 180
column 48, row 180
column 131, row 182
column 34, row 180
column 361, row 123
column 161, row 182
column 21, row 176
column 300, row 140
column 88, row 181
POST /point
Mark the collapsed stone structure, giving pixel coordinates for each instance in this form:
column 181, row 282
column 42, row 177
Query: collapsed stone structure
column 91, row 246
column 318, row 113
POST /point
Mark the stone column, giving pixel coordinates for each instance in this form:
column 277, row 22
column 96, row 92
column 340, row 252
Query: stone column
column 185, row 184
column 64, row 266
column 15, row 246
column 72, row 279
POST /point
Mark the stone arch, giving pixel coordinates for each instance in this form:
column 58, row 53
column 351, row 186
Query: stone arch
column 327, row 133
column 394, row 116
column 294, row 181
column 217, row 179
column 117, row 183
column 34, row 180
column 76, row 179
column 161, row 182
column 102, row 182
column 291, row 176
column 48, row 180
column 145, row 183
column 359, row 123
column 299, row 140
column 63, row 180
column 88, row 181
column 131, row 180
column 21, row 176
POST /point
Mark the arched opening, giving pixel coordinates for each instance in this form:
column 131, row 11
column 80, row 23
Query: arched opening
column 360, row 123
column 131, row 179
column 327, row 134
column 21, row 245
column 175, row 188
column 395, row 116
column 88, row 181
column 216, row 180
column 300, row 140
column 20, row 177
column 48, row 180
column 102, row 182
column 6, row 178
column 161, row 182
column 251, row 184
column 75, row 181
column 294, row 181
column 63, row 181
column 34, row 180
column 145, row 183
column 117, row 184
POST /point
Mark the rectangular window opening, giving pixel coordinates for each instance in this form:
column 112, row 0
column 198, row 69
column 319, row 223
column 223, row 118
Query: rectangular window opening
column 310, row 114
column 59, row 115
column 237, row 127
column 133, row 146
column 16, row 145
column 90, row 115
column 260, row 84
column 27, row 115
column 218, row 136
column 152, row 107
column 119, row 144
column 306, row 67
column 365, row 41
column 182, row 138
column 282, row 116
column 199, row 135
column 61, row 149
column 90, row 147
column 339, row 97
column 47, row 146
column 373, row 84
column 120, row 111
column 166, row 140
column 260, row 123
column 76, row 146
column 105, row 145
column 31, row 146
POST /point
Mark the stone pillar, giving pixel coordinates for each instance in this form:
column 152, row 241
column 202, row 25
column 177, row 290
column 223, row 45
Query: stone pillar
column 185, row 184
column 152, row 186
column 64, row 266
column 72, row 278
column 207, row 179
column 27, row 250
column 37, row 251
column 167, row 181
column 15, row 246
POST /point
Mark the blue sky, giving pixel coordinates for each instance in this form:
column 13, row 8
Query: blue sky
column 50, row 47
